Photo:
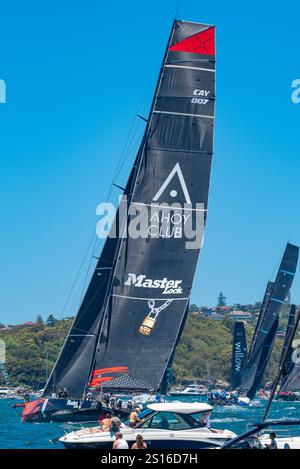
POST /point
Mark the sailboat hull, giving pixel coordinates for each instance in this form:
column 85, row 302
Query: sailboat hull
column 64, row 410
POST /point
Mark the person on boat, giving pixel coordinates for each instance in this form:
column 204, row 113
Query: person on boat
column 65, row 393
column 89, row 396
column 164, row 423
column 139, row 443
column 205, row 419
column 115, row 424
column 120, row 442
column 134, row 417
column 273, row 444
column 106, row 423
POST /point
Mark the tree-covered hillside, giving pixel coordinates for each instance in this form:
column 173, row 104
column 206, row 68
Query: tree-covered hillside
column 204, row 351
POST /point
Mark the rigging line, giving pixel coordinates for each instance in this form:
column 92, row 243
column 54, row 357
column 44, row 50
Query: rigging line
column 129, row 150
column 131, row 143
column 87, row 273
column 89, row 303
column 141, row 110
column 77, row 275
column 128, row 142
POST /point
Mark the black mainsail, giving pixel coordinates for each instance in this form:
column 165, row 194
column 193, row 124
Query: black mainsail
column 286, row 362
column 290, row 374
column 133, row 312
column 268, row 322
column 239, row 354
column 286, row 355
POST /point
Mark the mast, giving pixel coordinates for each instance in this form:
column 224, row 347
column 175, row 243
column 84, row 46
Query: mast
column 174, row 167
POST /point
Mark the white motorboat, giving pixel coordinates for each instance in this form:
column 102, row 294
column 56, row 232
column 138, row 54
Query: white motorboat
column 169, row 425
column 191, row 390
column 283, row 442
column 7, row 393
column 286, row 434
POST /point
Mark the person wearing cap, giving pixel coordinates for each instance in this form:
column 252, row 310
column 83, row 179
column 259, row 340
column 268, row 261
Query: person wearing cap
column 134, row 417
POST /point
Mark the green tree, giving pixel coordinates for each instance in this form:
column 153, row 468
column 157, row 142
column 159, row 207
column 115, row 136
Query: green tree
column 221, row 300
column 51, row 321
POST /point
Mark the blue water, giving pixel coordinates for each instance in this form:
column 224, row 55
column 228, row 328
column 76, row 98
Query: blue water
column 15, row 434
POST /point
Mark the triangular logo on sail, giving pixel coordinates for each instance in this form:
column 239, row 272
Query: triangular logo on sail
column 200, row 43
column 173, row 192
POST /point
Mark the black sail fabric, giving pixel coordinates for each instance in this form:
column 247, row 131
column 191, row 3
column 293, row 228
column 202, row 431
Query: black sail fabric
column 73, row 367
column 289, row 362
column 153, row 275
column 261, row 316
column 292, row 381
column 262, row 348
column 286, row 361
column 239, row 354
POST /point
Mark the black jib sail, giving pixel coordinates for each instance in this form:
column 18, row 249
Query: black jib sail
column 132, row 314
column 268, row 323
column 73, row 367
column 239, row 354
column 261, row 316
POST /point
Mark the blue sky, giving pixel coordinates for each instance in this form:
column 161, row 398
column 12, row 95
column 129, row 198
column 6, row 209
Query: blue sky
column 77, row 73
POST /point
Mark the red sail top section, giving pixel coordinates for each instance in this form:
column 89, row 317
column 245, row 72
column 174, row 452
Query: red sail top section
column 200, row 43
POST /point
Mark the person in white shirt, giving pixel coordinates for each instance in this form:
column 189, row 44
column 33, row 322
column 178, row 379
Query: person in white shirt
column 120, row 442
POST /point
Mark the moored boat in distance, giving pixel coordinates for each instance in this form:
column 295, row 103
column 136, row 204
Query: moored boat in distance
column 8, row 393
column 191, row 390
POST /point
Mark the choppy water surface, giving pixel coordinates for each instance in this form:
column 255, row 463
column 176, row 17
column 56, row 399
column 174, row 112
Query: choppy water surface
column 15, row 434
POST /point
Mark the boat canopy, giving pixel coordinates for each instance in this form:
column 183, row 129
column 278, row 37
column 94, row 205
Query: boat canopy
column 181, row 407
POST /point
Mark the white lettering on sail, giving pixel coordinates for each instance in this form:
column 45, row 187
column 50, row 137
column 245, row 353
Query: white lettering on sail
column 238, row 356
column 173, row 193
column 168, row 286
column 204, row 95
